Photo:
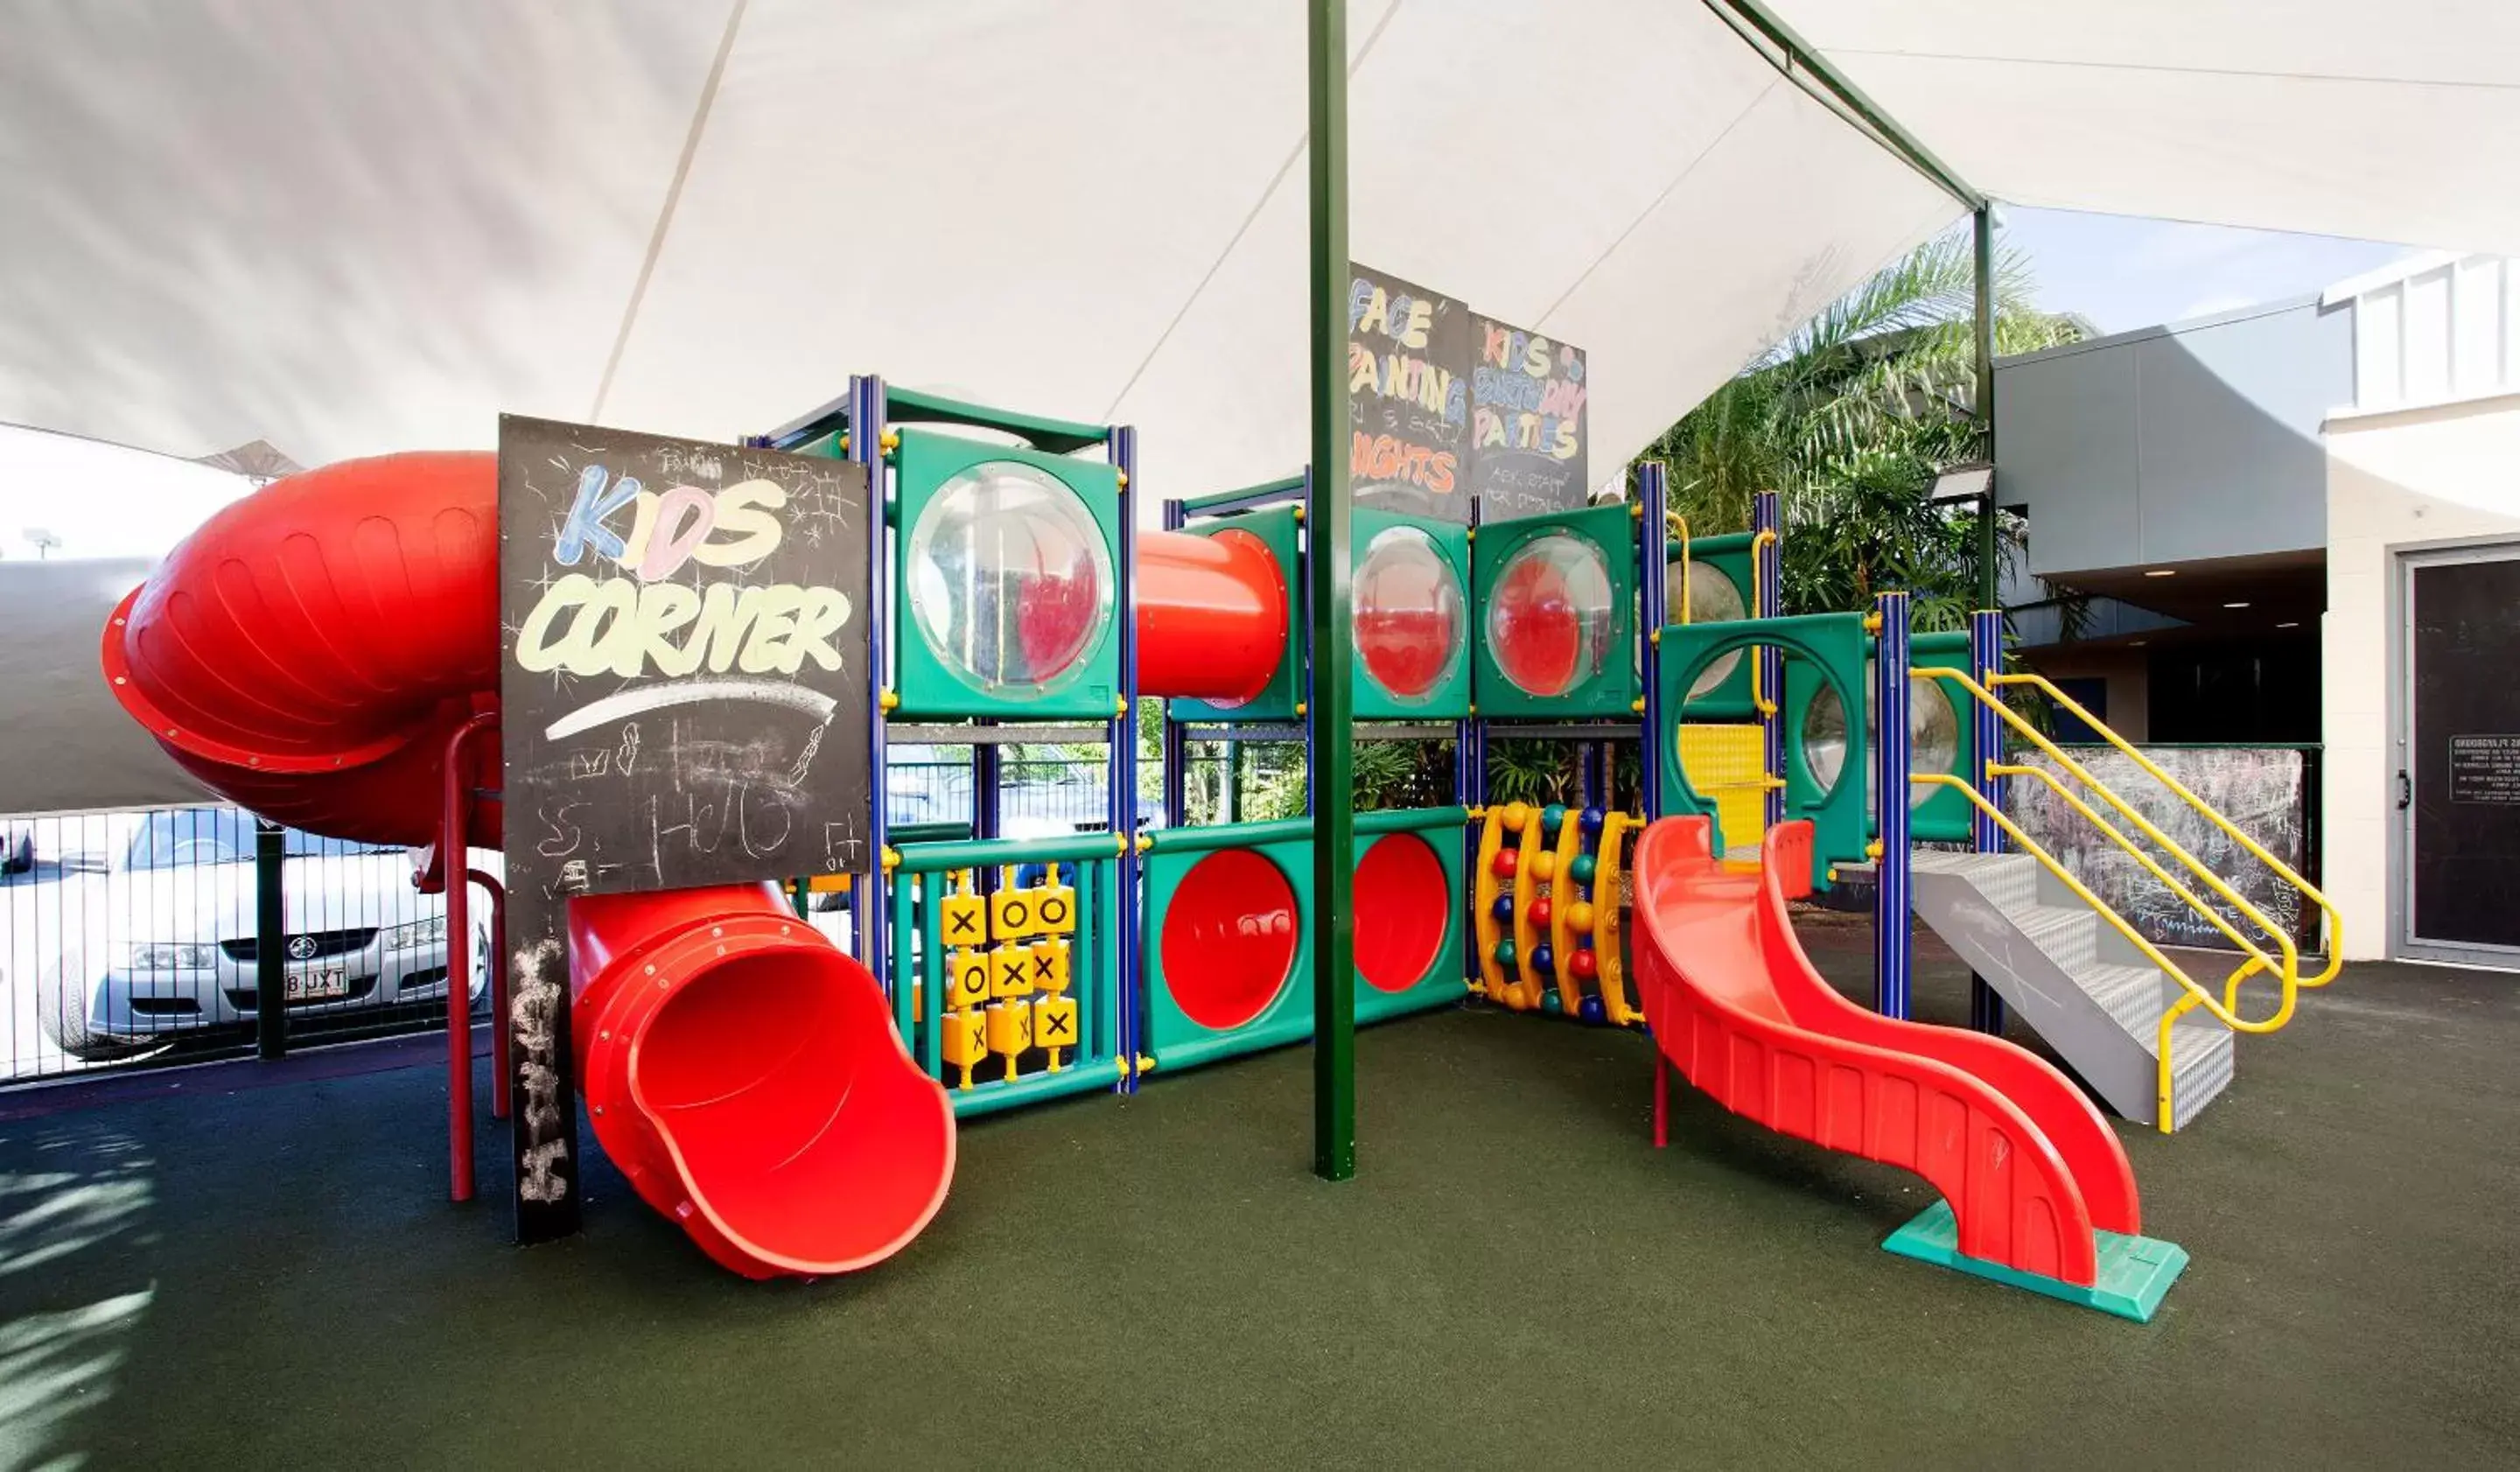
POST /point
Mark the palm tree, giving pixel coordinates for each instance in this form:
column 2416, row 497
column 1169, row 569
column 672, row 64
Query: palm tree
column 1851, row 419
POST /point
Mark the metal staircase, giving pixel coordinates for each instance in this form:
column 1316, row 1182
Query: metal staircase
column 2073, row 979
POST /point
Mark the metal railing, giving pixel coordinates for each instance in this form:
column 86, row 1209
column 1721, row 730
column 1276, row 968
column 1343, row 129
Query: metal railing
column 144, row 936
column 2286, row 970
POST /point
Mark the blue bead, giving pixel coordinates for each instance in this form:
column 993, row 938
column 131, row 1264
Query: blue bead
column 1592, row 821
column 1591, row 1011
column 1503, row 909
column 1542, row 961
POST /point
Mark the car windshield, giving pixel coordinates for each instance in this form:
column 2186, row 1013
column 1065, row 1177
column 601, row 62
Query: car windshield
column 219, row 836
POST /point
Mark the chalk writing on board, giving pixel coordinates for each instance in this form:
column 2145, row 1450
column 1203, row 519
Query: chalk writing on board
column 1407, row 395
column 1528, row 425
column 686, row 640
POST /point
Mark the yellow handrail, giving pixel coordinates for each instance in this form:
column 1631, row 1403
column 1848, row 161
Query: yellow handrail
column 2196, row 995
column 1760, row 700
column 1675, row 518
column 2232, row 997
column 2332, row 923
column 2057, row 753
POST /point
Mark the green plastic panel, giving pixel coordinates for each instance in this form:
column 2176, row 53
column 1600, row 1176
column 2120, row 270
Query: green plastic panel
column 931, row 686
column 2136, row 1272
column 1446, row 697
column 1832, row 644
column 1940, row 814
column 1727, row 697
column 1179, row 1040
column 1609, row 687
column 1281, row 529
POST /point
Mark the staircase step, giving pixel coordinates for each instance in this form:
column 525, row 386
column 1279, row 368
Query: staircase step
column 2202, row 1055
column 2069, row 938
column 2131, row 995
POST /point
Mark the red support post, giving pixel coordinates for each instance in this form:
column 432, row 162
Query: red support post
column 1662, row 1100
column 454, row 850
column 498, row 990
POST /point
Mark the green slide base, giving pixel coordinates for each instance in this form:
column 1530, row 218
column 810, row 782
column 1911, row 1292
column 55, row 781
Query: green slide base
column 2136, row 1272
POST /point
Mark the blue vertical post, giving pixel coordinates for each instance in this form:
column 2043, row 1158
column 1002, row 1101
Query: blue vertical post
column 1123, row 448
column 1893, row 938
column 1176, row 744
column 1653, row 572
column 1986, row 731
column 1470, row 785
column 1765, row 555
column 867, row 912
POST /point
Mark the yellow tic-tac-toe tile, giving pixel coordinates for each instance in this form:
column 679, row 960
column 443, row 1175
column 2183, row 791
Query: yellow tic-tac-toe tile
column 969, row 982
column 1053, row 908
column 964, row 1040
column 1009, row 1027
column 1011, row 971
column 1011, row 914
column 962, row 919
column 1049, row 965
column 1054, row 1022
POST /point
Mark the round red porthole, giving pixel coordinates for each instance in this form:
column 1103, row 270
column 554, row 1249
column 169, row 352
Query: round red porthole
column 1403, row 903
column 1229, row 940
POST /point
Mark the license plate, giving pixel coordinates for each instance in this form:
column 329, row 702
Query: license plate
column 315, row 985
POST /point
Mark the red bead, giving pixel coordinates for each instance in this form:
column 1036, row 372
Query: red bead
column 1541, row 910
column 1582, row 965
column 1505, row 862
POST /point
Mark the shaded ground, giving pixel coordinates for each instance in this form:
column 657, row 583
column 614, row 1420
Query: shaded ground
column 270, row 1278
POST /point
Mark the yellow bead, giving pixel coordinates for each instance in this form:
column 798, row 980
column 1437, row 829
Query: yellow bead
column 1578, row 916
column 1516, row 815
column 1544, row 866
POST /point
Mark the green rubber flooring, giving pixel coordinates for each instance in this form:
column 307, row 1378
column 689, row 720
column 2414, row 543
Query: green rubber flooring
column 269, row 1277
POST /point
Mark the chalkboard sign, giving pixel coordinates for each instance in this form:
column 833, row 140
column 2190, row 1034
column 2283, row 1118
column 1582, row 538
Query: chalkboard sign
column 1408, row 396
column 1528, row 431
column 2261, row 789
column 684, row 641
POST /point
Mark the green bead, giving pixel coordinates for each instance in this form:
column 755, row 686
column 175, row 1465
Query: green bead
column 1583, row 868
column 1505, row 953
column 1552, row 818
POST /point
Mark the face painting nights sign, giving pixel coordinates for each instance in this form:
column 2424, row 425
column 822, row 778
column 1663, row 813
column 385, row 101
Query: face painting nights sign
column 1408, row 395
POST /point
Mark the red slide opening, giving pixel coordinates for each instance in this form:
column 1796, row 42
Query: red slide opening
column 1229, row 939
column 750, row 1085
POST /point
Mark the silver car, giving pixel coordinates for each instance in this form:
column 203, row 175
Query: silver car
column 163, row 945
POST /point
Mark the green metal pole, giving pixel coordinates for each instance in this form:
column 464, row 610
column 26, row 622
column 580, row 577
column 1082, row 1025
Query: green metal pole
column 1988, row 589
column 1334, row 656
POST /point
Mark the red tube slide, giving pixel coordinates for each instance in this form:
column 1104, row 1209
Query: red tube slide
column 1212, row 615
column 307, row 652
column 2027, row 1165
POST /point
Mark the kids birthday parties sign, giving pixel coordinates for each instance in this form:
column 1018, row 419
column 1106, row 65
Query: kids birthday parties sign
column 1447, row 408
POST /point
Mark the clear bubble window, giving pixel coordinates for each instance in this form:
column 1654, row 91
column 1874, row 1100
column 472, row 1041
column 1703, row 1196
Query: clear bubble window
column 1410, row 619
column 1712, row 599
column 1010, row 583
column 1550, row 616
column 1933, row 735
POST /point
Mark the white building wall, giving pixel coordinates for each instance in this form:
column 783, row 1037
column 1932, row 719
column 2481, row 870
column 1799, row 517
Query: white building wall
column 2428, row 454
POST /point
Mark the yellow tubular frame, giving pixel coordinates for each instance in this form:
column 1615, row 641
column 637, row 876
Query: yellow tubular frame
column 2332, row 923
column 1673, row 518
column 1760, row 699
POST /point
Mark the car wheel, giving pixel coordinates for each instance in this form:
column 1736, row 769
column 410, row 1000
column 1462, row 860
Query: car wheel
column 73, row 1035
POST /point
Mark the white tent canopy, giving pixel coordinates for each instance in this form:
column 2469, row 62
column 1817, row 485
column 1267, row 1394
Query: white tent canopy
column 378, row 224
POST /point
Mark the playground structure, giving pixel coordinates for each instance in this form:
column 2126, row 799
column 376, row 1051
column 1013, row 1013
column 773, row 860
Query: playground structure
column 793, row 1107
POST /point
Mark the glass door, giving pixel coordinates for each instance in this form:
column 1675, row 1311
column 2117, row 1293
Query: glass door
column 2457, row 783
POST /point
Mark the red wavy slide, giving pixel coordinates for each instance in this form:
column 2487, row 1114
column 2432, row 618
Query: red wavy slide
column 2025, row 1160
column 307, row 652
